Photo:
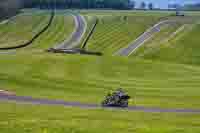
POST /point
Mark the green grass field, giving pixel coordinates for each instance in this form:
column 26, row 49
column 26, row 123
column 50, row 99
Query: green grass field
column 22, row 28
column 13, row 34
column 166, row 33
column 115, row 32
column 165, row 78
column 44, row 119
column 87, row 79
column 184, row 48
column 61, row 28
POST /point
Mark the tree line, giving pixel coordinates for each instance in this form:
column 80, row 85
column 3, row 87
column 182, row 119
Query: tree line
column 10, row 7
column 194, row 7
column 114, row 4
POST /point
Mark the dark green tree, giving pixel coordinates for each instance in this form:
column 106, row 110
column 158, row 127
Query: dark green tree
column 150, row 6
column 115, row 4
column 143, row 5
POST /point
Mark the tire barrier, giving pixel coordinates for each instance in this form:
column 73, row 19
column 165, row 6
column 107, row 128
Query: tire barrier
column 34, row 37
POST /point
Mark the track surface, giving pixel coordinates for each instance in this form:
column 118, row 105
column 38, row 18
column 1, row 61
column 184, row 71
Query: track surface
column 73, row 41
column 30, row 100
column 143, row 38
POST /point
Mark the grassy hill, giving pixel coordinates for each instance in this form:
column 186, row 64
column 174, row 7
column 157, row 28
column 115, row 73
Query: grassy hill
column 114, row 33
column 44, row 119
column 22, row 28
column 184, row 48
column 116, row 29
column 60, row 29
column 164, row 78
column 87, row 79
column 166, row 33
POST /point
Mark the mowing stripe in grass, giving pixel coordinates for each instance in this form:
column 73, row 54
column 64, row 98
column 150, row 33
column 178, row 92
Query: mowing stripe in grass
column 113, row 33
column 19, row 35
column 35, row 37
column 12, row 29
column 143, row 38
column 61, row 28
column 166, row 33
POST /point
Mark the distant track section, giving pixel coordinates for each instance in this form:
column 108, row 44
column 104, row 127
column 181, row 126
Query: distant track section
column 155, row 29
column 143, row 38
column 30, row 100
column 74, row 40
column 34, row 37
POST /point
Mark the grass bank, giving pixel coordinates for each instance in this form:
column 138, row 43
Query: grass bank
column 87, row 79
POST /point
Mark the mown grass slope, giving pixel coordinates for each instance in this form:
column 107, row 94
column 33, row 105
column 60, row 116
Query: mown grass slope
column 166, row 33
column 22, row 28
column 184, row 48
column 87, row 79
column 61, row 28
column 114, row 33
column 44, row 119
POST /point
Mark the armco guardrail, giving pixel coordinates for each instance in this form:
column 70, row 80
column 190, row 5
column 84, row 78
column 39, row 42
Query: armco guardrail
column 34, row 37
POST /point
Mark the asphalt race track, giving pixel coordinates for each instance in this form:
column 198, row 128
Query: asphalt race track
column 151, row 31
column 143, row 38
column 80, row 29
column 30, row 100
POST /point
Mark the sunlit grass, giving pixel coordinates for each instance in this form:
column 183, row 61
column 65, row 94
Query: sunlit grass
column 114, row 33
column 87, row 79
column 44, row 119
column 60, row 30
column 22, row 28
column 184, row 48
